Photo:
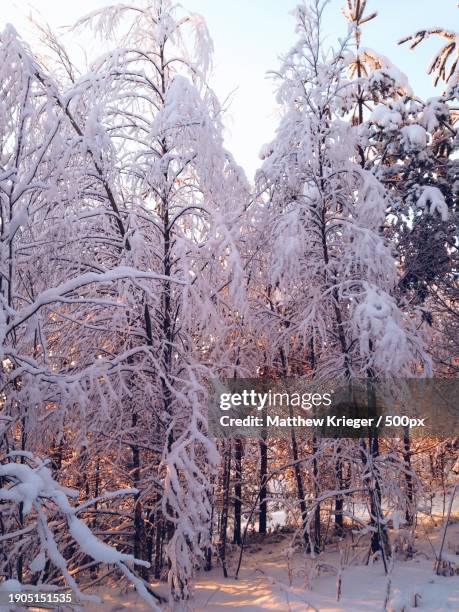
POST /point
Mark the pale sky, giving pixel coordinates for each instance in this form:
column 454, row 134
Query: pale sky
column 250, row 35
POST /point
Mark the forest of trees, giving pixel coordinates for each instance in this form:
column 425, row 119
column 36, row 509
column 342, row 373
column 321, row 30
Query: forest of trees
column 138, row 263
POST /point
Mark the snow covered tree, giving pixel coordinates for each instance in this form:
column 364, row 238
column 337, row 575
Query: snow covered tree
column 435, row 191
column 409, row 145
column 333, row 272
column 182, row 193
column 61, row 279
column 58, row 353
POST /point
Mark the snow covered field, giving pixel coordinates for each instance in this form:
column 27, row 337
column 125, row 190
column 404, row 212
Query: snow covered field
column 264, row 582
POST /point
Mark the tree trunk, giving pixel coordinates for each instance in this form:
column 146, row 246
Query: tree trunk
column 410, row 511
column 159, row 537
column 263, row 512
column 300, row 489
column 315, row 474
column 225, row 506
column 138, row 518
column 208, row 552
column 379, row 537
column 339, row 500
column 237, row 491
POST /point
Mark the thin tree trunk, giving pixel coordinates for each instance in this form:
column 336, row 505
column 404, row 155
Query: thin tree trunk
column 263, row 512
column 315, row 465
column 208, row 553
column 379, row 537
column 315, row 474
column 339, row 501
column 225, row 506
column 300, row 490
column 139, row 531
column 159, row 537
column 238, row 451
column 409, row 513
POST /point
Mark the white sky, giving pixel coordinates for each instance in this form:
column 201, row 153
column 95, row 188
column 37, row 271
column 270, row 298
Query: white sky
column 250, row 35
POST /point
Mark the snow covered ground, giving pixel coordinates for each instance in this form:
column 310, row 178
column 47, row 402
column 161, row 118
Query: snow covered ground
column 264, row 582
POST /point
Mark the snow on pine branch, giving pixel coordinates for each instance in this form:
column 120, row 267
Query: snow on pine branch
column 432, row 200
